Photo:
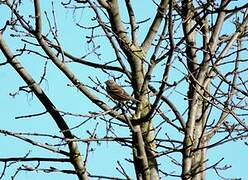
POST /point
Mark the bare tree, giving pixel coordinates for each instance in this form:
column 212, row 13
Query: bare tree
column 186, row 67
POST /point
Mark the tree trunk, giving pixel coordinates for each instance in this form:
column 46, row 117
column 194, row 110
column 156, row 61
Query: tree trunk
column 194, row 155
column 144, row 141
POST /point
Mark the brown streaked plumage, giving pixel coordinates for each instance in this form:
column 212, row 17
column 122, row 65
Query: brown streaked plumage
column 117, row 92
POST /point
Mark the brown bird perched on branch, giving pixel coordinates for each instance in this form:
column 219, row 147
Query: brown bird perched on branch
column 117, row 92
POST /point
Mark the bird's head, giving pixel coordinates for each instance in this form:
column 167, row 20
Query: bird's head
column 110, row 82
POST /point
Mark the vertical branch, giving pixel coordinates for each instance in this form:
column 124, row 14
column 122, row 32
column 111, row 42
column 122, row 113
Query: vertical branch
column 153, row 61
column 134, row 54
column 132, row 22
column 189, row 34
column 190, row 52
column 213, row 41
column 140, row 156
column 168, row 63
column 155, row 25
column 116, row 24
column 146, row 167
column 197, row 108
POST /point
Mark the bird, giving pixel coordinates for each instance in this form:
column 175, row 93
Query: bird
column 117, row 92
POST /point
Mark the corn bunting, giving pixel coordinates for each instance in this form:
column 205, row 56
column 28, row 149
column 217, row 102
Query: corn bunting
column 117, row 92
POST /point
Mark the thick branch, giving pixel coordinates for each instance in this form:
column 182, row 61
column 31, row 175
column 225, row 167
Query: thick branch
column 132, row 22
column 155, row 25
column 75, row 155
column 116, row 24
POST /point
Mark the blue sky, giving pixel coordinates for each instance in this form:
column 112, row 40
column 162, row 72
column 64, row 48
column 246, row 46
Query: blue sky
column 104, row 159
